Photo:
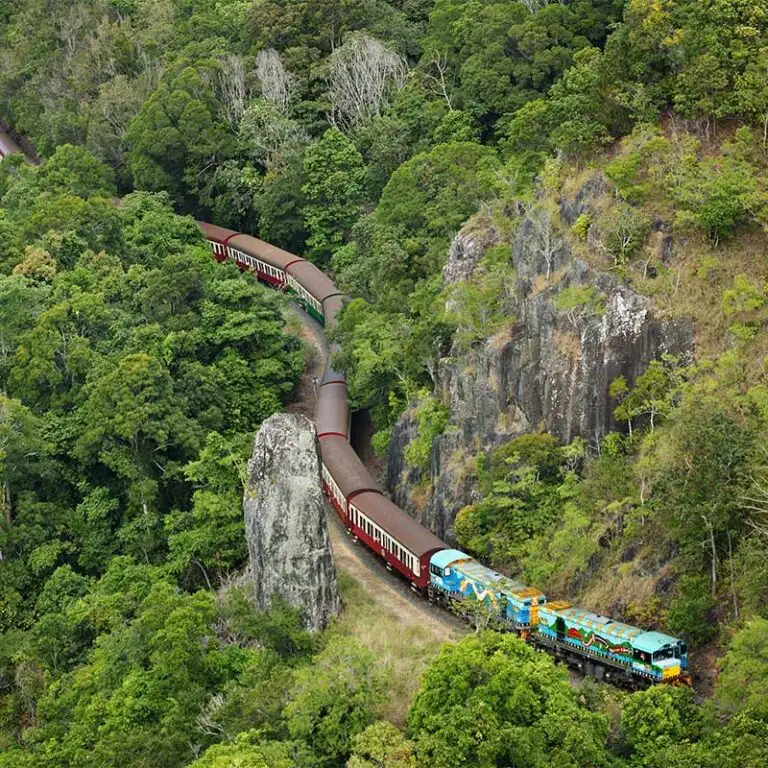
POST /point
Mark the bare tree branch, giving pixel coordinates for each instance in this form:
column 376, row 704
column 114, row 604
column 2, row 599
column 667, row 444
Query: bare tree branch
column 276, row 82
column 363, row 74
column 440, row 63
column 232, row 84
column 547, row 243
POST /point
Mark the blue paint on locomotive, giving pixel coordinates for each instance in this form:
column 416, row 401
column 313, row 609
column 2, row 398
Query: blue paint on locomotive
column 658, row 655
column 456, row 574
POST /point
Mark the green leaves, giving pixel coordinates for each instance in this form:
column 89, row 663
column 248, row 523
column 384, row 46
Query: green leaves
column 248, row 751
column 72, row 170
column 334, row 172
column 653, row 393
column 211, row 537
column 177, row 136
column 654, row 720
column 432, row 419
column 524, row 485
column 743, row 681
column 491, row 700
column 381, row 745
column 334, row 700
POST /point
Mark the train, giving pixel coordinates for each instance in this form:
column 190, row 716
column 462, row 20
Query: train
column 595, row 645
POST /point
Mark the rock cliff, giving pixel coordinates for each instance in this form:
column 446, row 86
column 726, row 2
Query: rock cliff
column 550, row 368
column 285, row 523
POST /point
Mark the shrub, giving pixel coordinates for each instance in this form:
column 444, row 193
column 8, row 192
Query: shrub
column 691, row 610
column 581, row 226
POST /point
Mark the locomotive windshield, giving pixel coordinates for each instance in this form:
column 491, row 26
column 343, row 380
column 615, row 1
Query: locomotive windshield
column 664, row 653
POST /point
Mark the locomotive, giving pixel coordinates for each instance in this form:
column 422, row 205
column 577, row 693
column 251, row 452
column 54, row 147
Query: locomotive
column 596, row 645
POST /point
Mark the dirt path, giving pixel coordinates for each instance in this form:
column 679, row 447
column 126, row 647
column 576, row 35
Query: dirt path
column 312, row 332
column 391, row 593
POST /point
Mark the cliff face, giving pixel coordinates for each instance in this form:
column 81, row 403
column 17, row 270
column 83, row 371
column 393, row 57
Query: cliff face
column 551, row 370
column 285, row 523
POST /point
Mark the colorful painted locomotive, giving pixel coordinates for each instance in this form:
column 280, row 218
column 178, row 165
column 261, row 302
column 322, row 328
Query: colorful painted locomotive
column 598, row 645
column 458, row 577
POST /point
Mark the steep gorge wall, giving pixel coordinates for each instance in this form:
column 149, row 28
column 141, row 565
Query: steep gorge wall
column 549, row 370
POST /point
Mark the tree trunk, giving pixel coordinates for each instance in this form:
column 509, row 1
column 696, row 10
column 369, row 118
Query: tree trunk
column 713, row 549
column 5, row 500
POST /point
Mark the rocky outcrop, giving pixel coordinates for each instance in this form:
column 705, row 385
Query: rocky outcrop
column 467, row 248
column 550, row 369
column 285, row 523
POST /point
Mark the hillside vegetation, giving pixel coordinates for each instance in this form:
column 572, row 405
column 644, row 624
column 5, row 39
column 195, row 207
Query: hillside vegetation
column 364, row 134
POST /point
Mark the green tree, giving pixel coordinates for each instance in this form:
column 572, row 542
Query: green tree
column 72, row 170
column 22, row 453
column 177, row 138
column 654, row 720
column 703, row 467
column 334, row 700
column 432, row 419
column 653, row 393
column 136, row 700
column 429, row 197
column 524, row 484
column 129, row 421
column 20, row 302
column 743, row 682
column 334, row 173
column 492, row 700
column 268, row 136
column 381, row 745
column 579, row 302
column 212, row 535
column 248, row 751
column 691, row 610
column 744, row 300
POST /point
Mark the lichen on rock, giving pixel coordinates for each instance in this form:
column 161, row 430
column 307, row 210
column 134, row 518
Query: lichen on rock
column 285, row 522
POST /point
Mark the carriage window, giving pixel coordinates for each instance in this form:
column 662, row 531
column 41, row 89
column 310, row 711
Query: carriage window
column 436, row 570
column 683, row 649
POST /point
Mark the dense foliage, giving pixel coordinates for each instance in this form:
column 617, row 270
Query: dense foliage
column 133, row 371
column 364, row 134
